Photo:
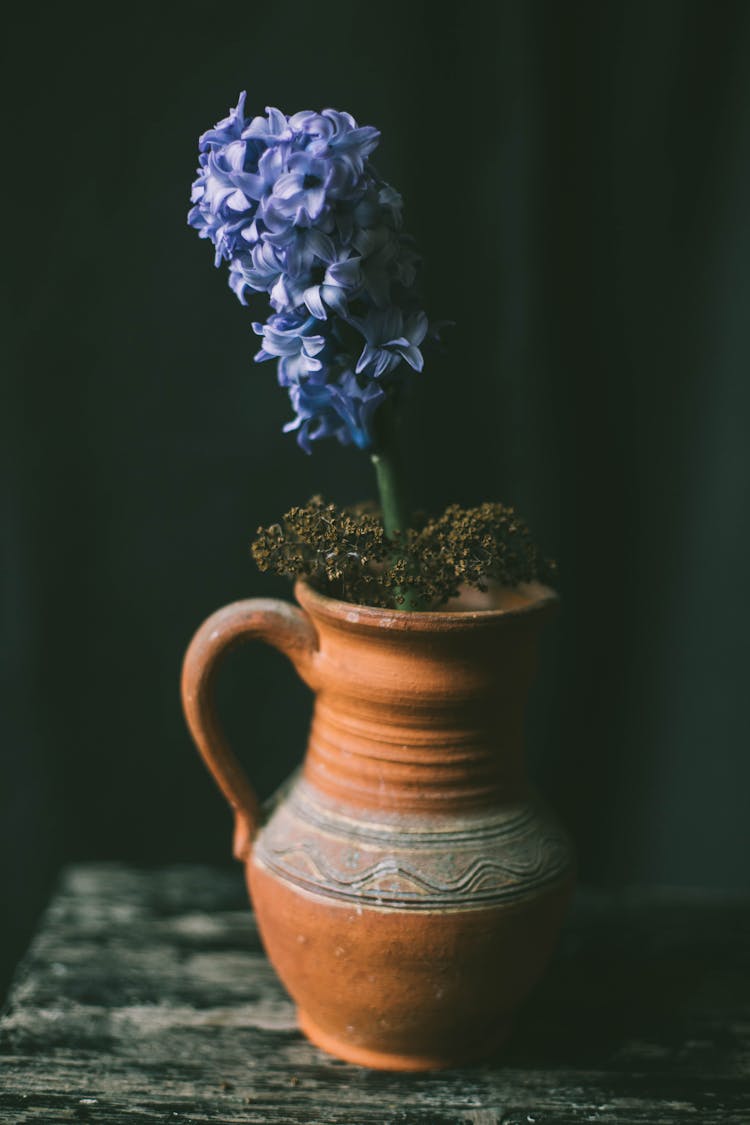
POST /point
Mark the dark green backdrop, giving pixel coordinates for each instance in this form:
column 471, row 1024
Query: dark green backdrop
column 578, row 177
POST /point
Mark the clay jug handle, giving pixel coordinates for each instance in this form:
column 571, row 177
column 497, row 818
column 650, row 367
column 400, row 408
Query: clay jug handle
column 278, row 623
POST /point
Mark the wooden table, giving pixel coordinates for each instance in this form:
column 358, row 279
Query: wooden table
column 146, row 997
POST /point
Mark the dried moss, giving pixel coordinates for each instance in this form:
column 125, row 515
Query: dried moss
column 346, row 554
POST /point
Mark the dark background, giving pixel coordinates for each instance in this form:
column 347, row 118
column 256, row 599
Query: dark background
column 578, row 178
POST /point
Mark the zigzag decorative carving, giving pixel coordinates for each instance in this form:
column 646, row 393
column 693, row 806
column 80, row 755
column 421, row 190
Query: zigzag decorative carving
column 512, row 856
column 468, row 881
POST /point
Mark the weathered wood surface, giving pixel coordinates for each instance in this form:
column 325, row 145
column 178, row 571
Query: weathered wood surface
column 146, row 998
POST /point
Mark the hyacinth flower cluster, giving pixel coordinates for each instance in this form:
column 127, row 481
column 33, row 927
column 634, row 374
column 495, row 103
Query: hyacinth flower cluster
column 295, row 207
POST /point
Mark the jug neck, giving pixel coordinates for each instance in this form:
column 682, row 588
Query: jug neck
column 411, row 763
column 420, row 712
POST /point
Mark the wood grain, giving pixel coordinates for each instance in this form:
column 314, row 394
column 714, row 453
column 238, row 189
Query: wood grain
column 146, row 997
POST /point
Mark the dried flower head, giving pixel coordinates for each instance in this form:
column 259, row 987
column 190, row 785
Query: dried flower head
column 346, row 554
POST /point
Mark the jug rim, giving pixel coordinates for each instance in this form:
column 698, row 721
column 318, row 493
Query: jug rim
column 535, row 599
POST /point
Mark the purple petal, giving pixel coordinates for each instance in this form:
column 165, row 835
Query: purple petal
column 321, row 246
column 335, row 298
column 413, row 357
column 287, row 186
column 311, row 345
column 238, row 201
column 314, row 302
column 416, row 328
column 367, row 354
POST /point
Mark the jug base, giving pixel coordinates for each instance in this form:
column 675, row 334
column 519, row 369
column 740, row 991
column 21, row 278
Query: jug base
column 385, row 1060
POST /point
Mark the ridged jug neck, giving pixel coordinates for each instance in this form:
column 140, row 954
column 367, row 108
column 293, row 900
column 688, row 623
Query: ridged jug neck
column 420, row 712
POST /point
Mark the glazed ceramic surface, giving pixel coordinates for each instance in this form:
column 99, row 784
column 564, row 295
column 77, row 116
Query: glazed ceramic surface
column 408, row 884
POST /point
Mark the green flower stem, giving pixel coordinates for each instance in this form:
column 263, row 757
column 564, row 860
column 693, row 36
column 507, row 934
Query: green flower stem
column 392, row 503
column 389, row 472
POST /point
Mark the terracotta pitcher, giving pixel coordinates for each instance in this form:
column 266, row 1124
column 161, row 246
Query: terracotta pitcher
column 408, row 885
